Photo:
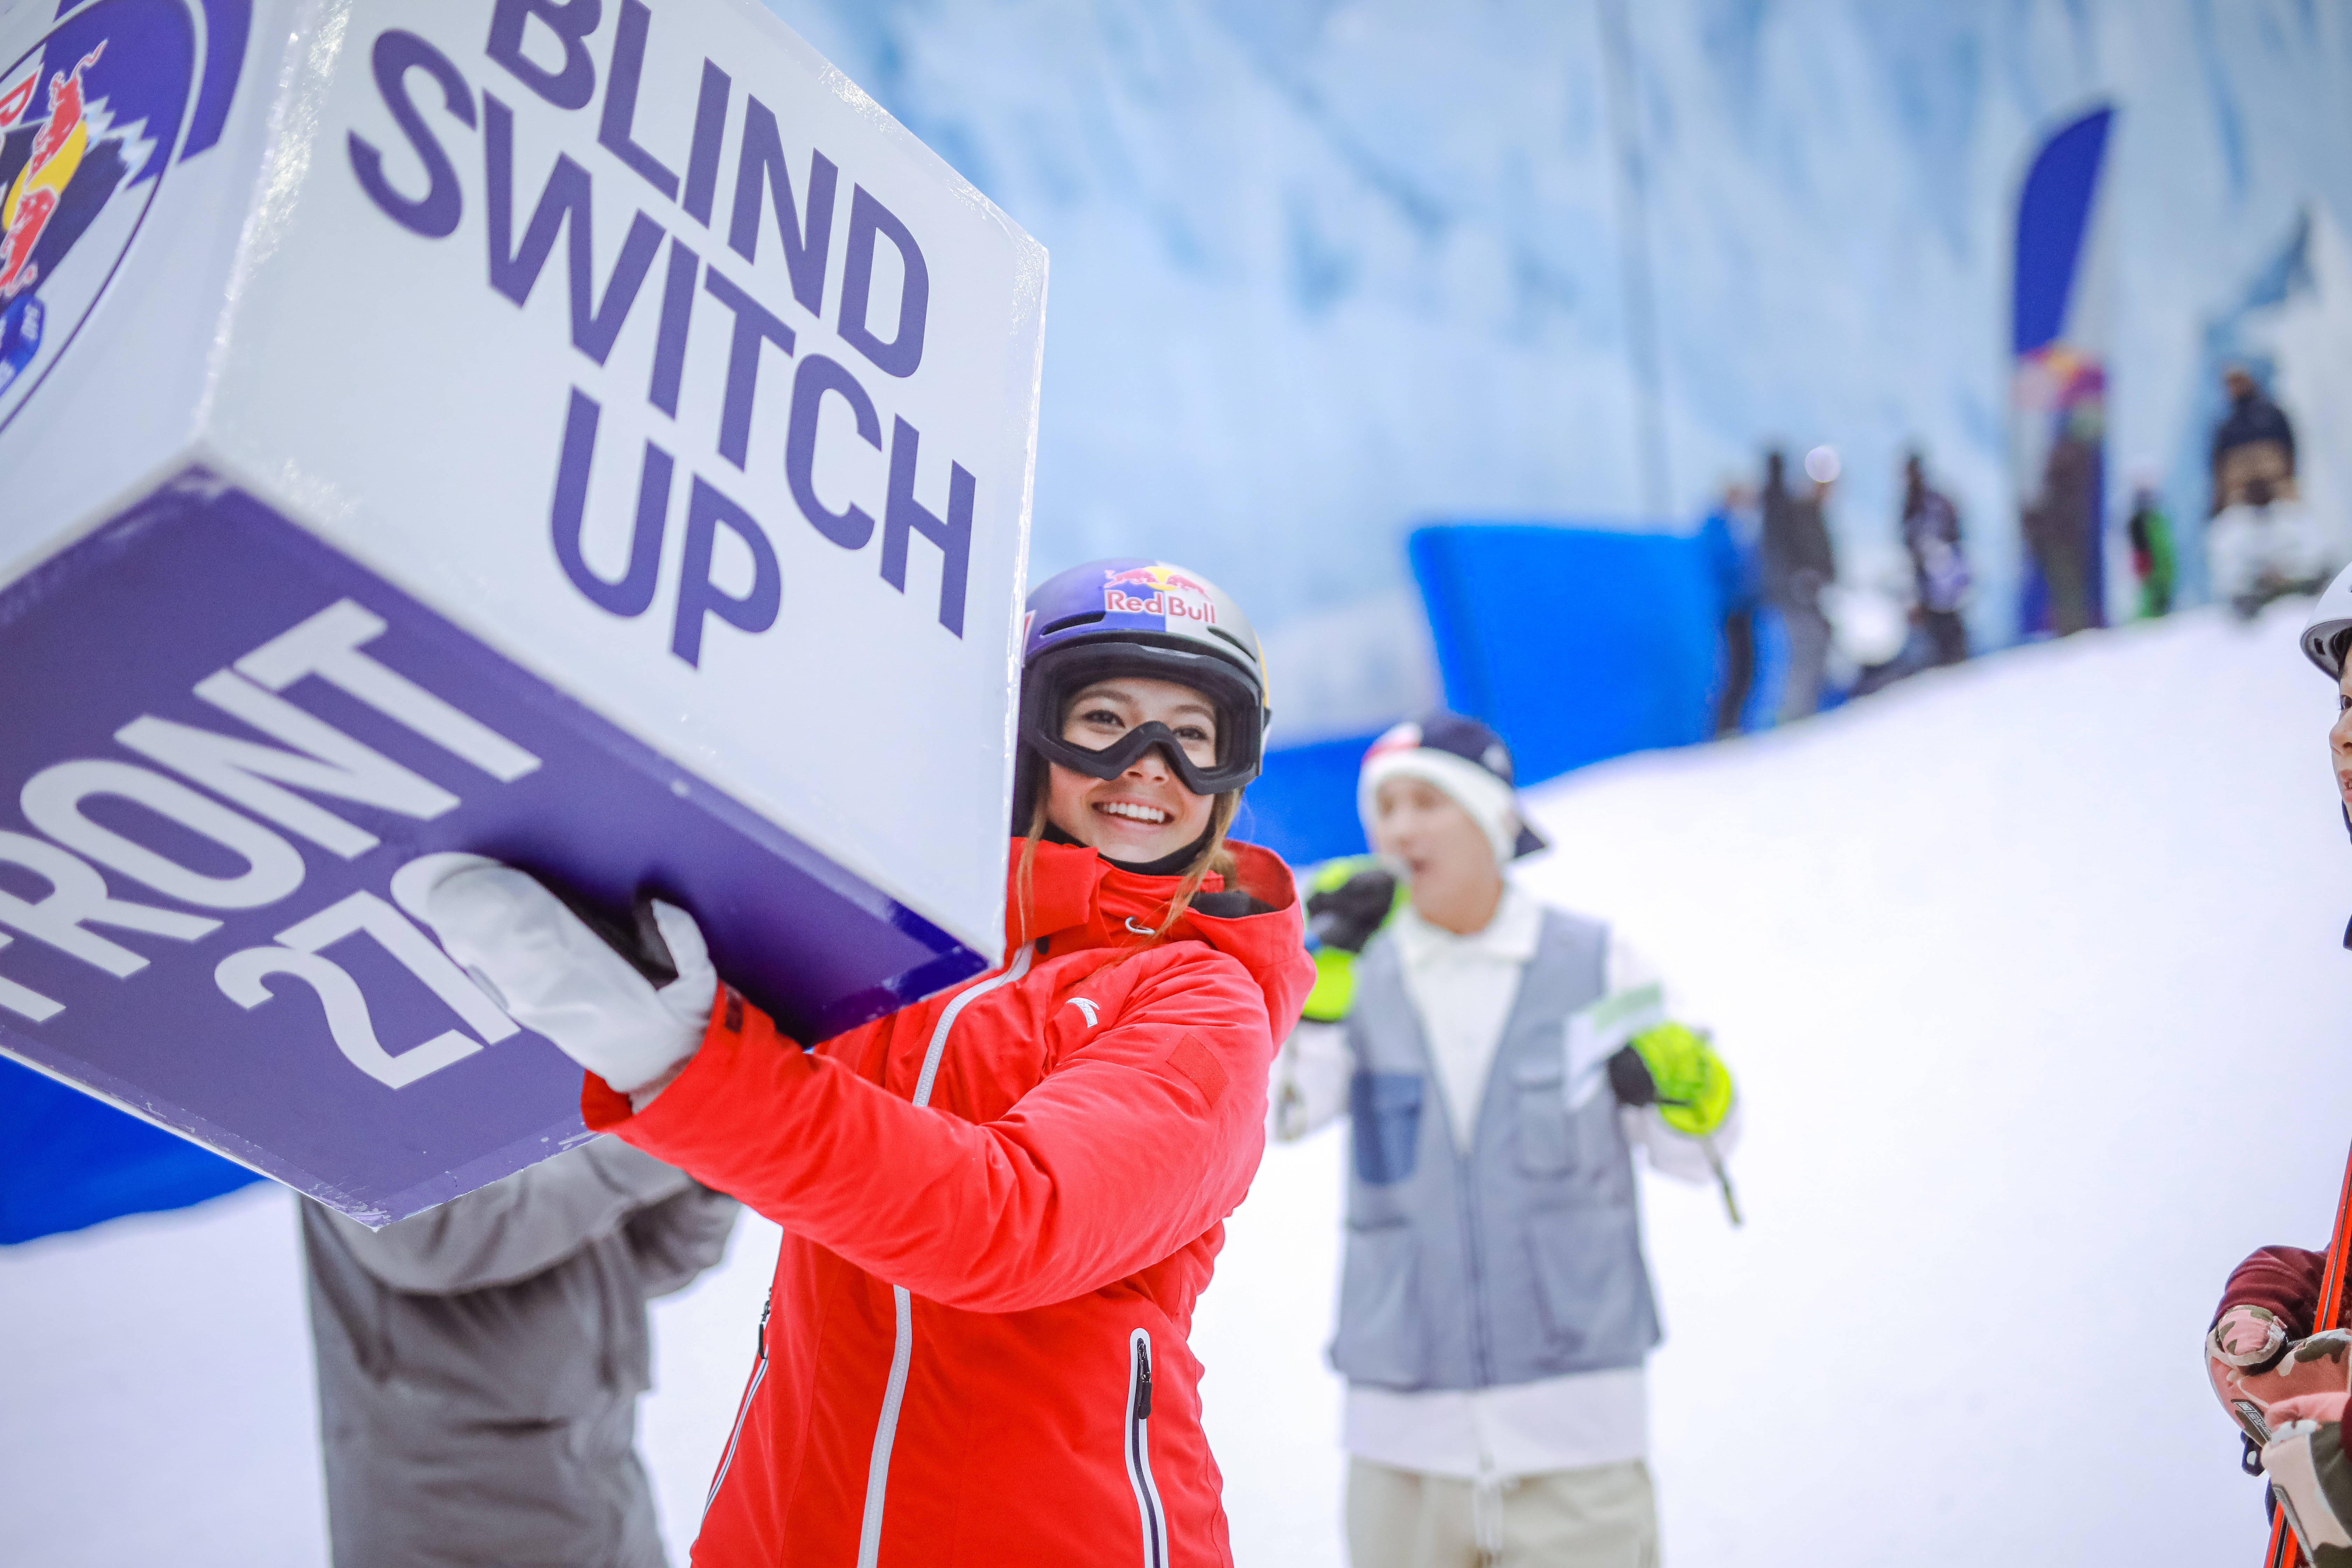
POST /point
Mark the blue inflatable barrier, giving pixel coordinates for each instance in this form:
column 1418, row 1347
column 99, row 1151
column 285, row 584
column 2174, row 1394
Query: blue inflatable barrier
column 1575, row 644
column 68, row 1160
column 1303, row 806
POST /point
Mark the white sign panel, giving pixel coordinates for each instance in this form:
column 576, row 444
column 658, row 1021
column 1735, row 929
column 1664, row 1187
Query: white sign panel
column 580, row 431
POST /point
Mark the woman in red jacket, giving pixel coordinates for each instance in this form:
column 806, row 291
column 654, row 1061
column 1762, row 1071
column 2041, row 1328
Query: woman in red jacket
column 1000, row 1204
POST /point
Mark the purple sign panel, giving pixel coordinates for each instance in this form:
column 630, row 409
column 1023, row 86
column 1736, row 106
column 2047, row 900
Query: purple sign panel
column 223, row 744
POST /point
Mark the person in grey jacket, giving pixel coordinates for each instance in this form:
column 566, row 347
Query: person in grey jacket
column 479, row 1363
column 1799, row 562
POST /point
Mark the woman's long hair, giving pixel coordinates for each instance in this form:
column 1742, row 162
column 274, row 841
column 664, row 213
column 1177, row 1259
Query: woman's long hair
column 1213, row 856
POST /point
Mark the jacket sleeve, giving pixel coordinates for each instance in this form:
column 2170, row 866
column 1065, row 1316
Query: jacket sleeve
column 1311, row 1079
column 2283, row 1280
column 1677, row 1155
column 517, row 1227
column 1133, row 1145
column 676, row 1239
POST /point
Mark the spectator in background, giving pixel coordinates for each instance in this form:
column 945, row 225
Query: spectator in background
column 1502, row 1064
column 479, row 1363
column 1728, row 535
column 2063, row 524
column 2154, row 564
column 2262, row 548
column 1798, row 564
column 1939, row 572
column 2253, row 442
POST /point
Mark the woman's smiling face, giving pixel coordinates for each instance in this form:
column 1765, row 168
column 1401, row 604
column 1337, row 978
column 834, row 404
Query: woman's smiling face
column 2339, row 738
column 1145, row 814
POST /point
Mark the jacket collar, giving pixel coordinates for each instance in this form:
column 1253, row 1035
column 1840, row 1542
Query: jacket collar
column 1079, row 900
column 1509, row 938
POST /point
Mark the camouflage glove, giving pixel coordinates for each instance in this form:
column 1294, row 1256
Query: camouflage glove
column 2247, row 1336
column 1347, row 903
column 2312, row 1480
column 1674, row 1069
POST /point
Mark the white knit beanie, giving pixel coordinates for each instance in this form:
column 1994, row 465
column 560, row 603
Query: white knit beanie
column 1482, row 787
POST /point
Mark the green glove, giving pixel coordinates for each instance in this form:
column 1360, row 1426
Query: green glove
column 1335, row 986
column 1693, row 1086
column 1349, row 901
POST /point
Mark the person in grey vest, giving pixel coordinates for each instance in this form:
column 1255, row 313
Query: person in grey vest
column 479, row 1363
column 1499, row 1062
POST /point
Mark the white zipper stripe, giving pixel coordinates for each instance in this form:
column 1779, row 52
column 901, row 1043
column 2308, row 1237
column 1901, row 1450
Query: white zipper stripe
column 1138, row 1445
column 885, row 1430
column 743, row 1408
column 742, row 1414
column 1020, row 966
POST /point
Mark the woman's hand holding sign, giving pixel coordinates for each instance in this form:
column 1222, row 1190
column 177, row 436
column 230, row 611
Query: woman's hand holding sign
column 620, row 1016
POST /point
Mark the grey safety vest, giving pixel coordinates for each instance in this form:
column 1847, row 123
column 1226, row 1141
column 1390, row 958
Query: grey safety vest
column 1520, row 1258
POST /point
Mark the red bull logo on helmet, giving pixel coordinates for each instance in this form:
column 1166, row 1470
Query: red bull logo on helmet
column 1158, row 591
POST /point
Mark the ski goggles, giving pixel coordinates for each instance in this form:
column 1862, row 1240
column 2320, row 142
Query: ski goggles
column 1056, row 677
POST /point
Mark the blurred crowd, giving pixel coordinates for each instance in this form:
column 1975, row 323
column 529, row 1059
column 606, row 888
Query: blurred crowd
column 1798, row 635
column 1778, row 577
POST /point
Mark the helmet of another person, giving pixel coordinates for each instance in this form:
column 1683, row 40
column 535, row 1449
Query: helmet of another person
column 2323, row 634
column 1139, row 619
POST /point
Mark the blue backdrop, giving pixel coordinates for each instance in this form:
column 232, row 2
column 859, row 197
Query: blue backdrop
column 1575, row 644
column 68, row 1160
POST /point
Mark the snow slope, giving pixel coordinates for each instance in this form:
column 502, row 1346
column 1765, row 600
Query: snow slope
column 2031, row 974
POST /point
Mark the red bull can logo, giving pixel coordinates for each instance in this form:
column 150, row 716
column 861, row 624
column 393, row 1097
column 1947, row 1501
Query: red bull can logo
column 1158, row 591
column 98, row 100
column 54, row 156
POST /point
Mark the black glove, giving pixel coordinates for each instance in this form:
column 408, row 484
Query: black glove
column 1346, row 916
column 1630, row 1080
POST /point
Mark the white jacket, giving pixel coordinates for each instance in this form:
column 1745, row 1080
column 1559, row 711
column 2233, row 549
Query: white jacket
column 2247, row 547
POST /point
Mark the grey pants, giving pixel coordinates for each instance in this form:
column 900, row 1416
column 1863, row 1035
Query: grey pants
column 1809, row 655
column 1604, row 1516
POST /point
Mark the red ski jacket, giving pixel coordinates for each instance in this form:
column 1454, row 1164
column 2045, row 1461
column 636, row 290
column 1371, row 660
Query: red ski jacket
column 999, row 1207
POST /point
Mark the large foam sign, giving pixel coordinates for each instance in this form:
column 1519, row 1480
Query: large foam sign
column 583, row 432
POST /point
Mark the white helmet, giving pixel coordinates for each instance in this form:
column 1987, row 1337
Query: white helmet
column 2330, row 619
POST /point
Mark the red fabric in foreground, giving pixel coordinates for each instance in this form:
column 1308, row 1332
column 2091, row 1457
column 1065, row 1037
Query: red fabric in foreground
column 1066, row 1185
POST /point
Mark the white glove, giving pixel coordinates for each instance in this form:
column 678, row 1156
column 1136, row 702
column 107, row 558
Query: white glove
column 560, row 979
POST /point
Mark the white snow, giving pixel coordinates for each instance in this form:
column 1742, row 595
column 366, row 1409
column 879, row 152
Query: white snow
column 2030, row 972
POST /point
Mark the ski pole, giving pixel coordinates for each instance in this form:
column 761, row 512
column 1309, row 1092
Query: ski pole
column 1722, row 1177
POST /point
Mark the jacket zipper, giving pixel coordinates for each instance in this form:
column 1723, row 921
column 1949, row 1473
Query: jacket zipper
column 1479, row 1350
column 1139, row 1451
column 902, row 1354
column 1464, row 1174
column 743, row 1410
